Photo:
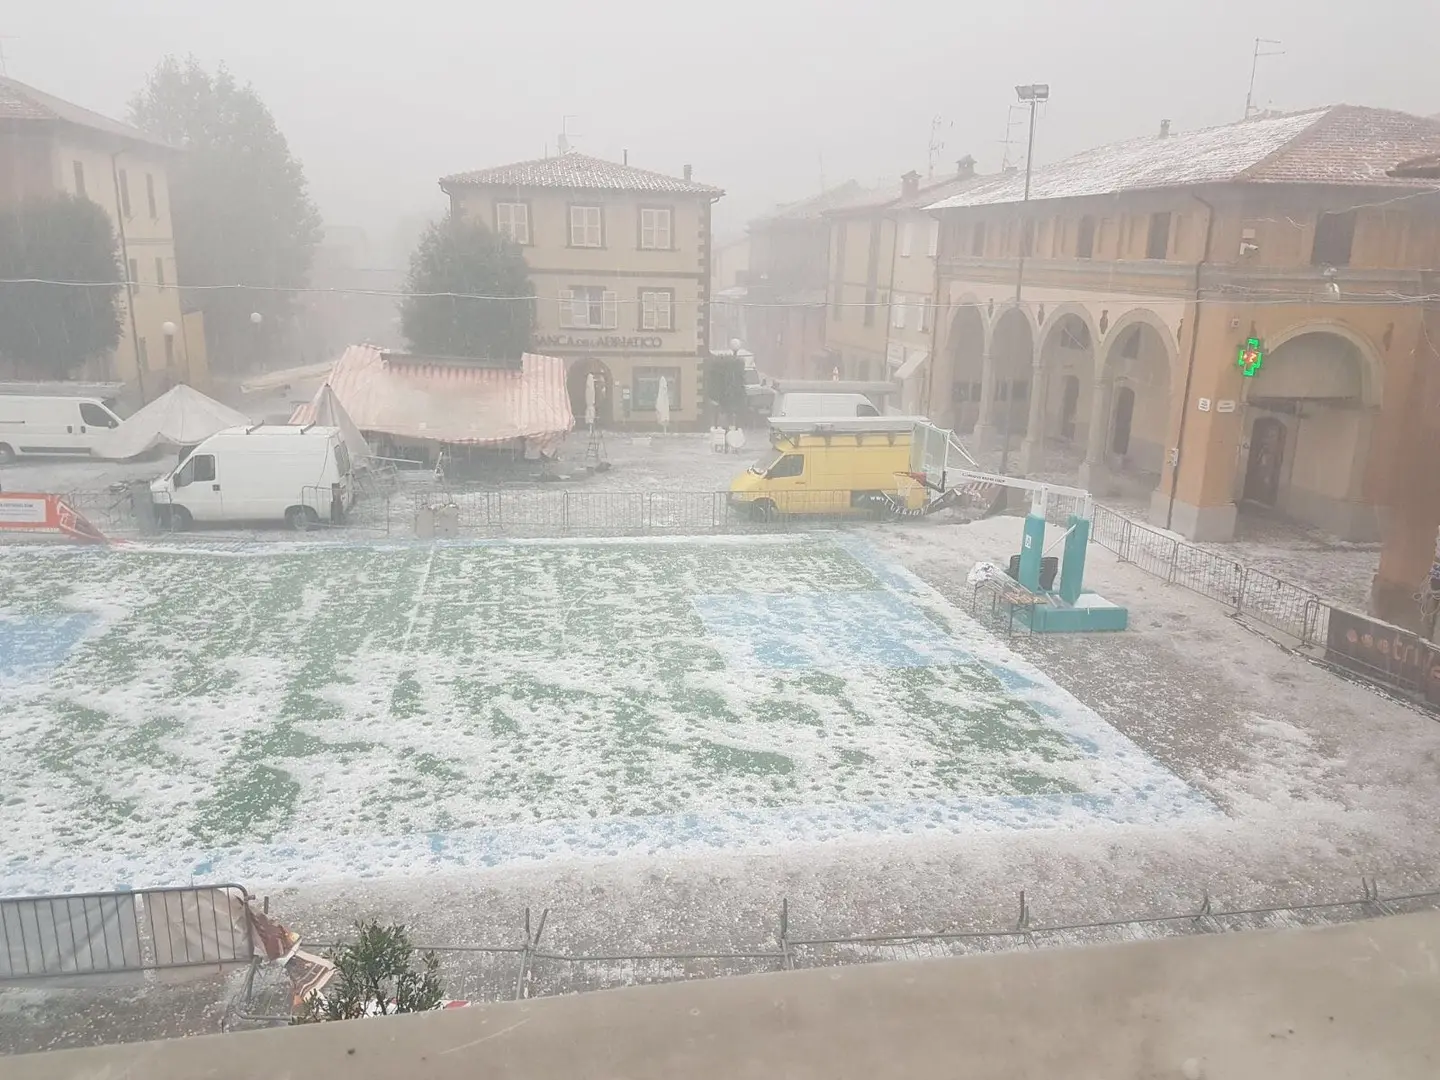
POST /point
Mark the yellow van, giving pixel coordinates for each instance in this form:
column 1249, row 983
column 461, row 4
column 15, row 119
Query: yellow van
column 841, row 466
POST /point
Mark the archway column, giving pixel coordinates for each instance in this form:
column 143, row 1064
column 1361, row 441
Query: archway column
column 1032, row 450
column 985, row 420
column 1094, row 475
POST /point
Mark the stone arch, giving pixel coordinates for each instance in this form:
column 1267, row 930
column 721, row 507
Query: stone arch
column 959, row 368
column 1372, row 371
column 1077, row 311
column 1137, row 376
column 1309, row 416
column 1117, row 329
column 1069, row 343
column 1012, row 360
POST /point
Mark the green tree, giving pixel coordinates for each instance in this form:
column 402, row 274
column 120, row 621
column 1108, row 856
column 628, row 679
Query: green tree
column 47, row 329
column 239, row 205
column 376, row 976
column 455, row 262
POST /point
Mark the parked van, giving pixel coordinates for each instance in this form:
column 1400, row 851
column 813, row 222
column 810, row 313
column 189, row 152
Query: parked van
column 262, row 473
column 805, row 405
column 831, row 467
column 60, row 425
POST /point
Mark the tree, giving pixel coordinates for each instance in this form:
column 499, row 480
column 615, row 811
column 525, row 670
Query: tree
column 456, row 261
column 48, row 329
column 239, row 204
column 375, row 977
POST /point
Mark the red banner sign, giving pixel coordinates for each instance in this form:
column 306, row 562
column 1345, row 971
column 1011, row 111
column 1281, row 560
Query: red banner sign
column 37, row 513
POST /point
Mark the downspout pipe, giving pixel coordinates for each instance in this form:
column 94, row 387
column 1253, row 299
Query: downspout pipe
column 1190, row 363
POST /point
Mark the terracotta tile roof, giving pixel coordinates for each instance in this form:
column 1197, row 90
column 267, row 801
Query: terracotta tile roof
column 21, row 102
column 1427, row 166
column 1350, row 144
column 1339, row 144
column 580, row 171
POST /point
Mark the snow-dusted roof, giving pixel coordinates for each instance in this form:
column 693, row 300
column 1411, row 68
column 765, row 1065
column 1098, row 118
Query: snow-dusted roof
column 581, row 171
column 21, row 102
column 1339, row 144
column 849, row 194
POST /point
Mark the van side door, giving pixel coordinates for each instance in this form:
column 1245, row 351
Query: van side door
column 197, row 488
column 788, row 480
column 93, row 421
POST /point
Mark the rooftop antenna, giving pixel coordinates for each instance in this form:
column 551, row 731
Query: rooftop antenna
column 820, row 160
column 937, row 144
column 1250, row 107
column 562, row 141
column 1015, row 117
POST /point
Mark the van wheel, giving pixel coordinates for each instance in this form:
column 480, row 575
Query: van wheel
column 302, row 518
column 762, row 510
column 7, row 453
column 173, row 518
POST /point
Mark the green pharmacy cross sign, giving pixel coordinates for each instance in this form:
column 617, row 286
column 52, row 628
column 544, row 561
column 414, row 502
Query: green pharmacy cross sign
column 1250, row 358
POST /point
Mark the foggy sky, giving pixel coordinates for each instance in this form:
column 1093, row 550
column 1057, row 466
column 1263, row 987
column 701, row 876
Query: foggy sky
column 766, row 98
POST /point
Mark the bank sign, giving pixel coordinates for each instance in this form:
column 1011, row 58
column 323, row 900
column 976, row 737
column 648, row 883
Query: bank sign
column 608, row 341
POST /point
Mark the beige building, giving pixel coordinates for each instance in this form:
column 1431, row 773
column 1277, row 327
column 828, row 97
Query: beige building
column 1221, row 319
column 880, row 301
column 49, row 146
column 620, row 258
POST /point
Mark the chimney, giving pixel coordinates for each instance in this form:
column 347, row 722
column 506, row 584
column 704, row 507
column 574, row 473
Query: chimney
column 624, row 157
column 1164, row 129
column 965, row 168
column 910, row 184
column 688, row 172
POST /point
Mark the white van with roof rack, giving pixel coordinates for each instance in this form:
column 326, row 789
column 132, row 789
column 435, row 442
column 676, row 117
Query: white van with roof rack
column 268, row 472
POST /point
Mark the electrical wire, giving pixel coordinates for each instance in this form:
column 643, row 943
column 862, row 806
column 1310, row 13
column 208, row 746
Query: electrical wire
column 1269, row 299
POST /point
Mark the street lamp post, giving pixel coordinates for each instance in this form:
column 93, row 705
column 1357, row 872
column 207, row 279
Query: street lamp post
column 1034, row 95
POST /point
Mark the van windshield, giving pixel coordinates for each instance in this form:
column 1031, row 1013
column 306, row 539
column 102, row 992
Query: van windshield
column 766, row 463
column 114, row 405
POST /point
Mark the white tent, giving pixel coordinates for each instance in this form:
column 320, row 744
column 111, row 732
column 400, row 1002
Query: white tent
column 181, row 416
column 330, row 413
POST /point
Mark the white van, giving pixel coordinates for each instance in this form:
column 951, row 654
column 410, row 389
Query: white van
column 262, row 473
column 823, row 406
column 53, row 424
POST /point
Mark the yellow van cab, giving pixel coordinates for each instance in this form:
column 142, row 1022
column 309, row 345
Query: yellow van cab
column 841, row 466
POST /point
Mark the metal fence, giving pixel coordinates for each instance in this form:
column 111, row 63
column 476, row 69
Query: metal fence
column 619, row 513
column 108, row 933
column 1253, row 593
column 529, row 967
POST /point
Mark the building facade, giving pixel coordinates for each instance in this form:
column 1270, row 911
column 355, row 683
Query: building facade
column 883, row 277
column 49, row 147
column 620, row 260
column 787, row 285
column 1221, row 318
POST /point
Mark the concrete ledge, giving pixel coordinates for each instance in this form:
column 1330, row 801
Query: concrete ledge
column 1358, row 1000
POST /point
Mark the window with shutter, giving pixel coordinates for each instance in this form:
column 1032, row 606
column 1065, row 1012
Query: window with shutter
column 927, row 313
column 655, row 228
column 512, row 220
column 657, row 309
column 907, row 239
column 567, row 308
column 585, row 227
column 933, row 248
column 897, row 312
column 609, row 310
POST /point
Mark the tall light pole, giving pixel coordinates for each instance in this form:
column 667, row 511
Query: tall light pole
column 1034, row 95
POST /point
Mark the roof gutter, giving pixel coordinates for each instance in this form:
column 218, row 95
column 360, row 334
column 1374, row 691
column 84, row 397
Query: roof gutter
column 1190, row 364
